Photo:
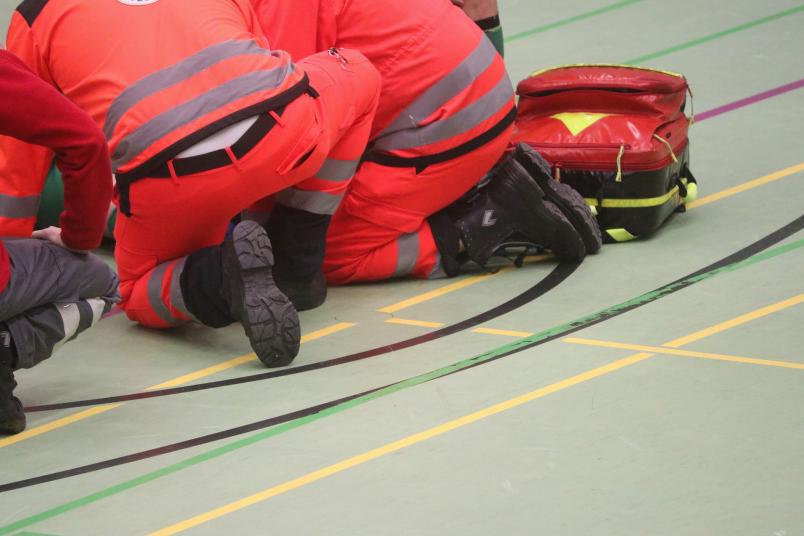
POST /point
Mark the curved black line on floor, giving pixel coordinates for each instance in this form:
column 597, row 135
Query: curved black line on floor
column 757, row 247
column 559, row 274
column 679, row 284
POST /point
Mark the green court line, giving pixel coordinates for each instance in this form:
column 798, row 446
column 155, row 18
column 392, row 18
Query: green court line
column 716, row 35
column 570, row 20
column 395, row 388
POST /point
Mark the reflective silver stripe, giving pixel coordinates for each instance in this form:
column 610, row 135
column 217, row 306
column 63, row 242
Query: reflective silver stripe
column 407, row 254
column 438, row 271
column 98, row 306
column 446, row 89
column 87, row 316
column 154, row 290
column 70, row 320
column 463, row 121
column 310, row 200
column 176, row 297
column 170, row 76
column 166, row 122
column 337, row 170
column 19, row 207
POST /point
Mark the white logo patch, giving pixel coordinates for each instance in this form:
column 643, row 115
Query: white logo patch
column 137, row 2
column 488, row 218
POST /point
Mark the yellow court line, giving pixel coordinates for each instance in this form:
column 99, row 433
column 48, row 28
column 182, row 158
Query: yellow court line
column 87, row 413
column 389, row 448
column 723, row 326
column 427, row 296
column 452, row 287
column 684, row 353
column 746, row 186
column 504, row 332
column 56, row 424
column 231, row 363
column 419, row 323
column 399, row 445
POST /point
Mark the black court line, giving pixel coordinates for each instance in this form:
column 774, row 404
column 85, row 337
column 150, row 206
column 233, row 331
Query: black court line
column 559, row 274
column 650, row 297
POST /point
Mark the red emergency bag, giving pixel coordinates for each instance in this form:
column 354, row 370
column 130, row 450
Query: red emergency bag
column 618, row 135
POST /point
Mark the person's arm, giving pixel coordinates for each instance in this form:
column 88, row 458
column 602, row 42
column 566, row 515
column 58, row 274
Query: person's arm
column 40, row 122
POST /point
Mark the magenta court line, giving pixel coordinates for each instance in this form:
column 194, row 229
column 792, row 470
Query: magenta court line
column 726, row 108
column 709, row 114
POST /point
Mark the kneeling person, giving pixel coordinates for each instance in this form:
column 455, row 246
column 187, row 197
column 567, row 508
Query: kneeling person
column 49, row 294
column 202, row 121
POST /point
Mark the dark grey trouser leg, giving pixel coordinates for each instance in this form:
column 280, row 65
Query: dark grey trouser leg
column 39, row 332
column 52, row 295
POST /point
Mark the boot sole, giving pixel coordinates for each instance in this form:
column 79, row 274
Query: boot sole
column 565, row 198
column 267, row 315
column 564, row 241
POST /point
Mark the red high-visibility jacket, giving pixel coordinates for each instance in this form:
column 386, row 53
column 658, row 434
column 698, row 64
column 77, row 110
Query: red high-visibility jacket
column 197, row 67
column 414, row 44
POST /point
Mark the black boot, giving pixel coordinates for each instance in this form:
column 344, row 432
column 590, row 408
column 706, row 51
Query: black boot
column 562, row 195
column 299, row 242
column 267, row 316
column 509, row 209
column 233, row 282
column 12, row 416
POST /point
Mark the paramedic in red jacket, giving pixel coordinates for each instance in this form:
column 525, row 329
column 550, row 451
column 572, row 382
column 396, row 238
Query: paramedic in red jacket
column 444, row 119
column 202, row 120
column 49, row 293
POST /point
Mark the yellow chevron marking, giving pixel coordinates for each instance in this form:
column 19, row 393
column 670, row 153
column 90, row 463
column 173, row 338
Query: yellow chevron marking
column 577, row 122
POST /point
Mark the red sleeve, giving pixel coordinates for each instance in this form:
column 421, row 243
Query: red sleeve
column 42, row 116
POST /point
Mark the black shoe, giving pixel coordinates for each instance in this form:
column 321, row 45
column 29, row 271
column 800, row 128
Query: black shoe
column 305, row 294
column 512, row 208
column 12, row 417
column 562, row 195
column 269, row 319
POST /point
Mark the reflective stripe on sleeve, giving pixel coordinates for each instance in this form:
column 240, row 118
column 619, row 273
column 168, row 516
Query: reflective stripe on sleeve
column 454, row 125
column 449, row 87
column 19, row 207
column 177, row 73
column 163, row 124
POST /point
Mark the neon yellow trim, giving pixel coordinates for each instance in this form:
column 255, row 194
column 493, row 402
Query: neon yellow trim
column 636, row 203
column 577, row 122
column 692, row 193
column 572, row 65
column 620, row 235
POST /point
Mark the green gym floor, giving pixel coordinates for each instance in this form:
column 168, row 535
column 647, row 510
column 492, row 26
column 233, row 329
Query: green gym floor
column 658, row 389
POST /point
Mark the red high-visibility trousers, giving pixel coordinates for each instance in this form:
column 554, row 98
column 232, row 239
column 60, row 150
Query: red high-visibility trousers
column 173, row 218
column 380, row 230
column 384, row 233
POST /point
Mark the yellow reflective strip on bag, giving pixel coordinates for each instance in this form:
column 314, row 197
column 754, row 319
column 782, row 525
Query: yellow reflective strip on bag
column 635, row 203
column 620, row 235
